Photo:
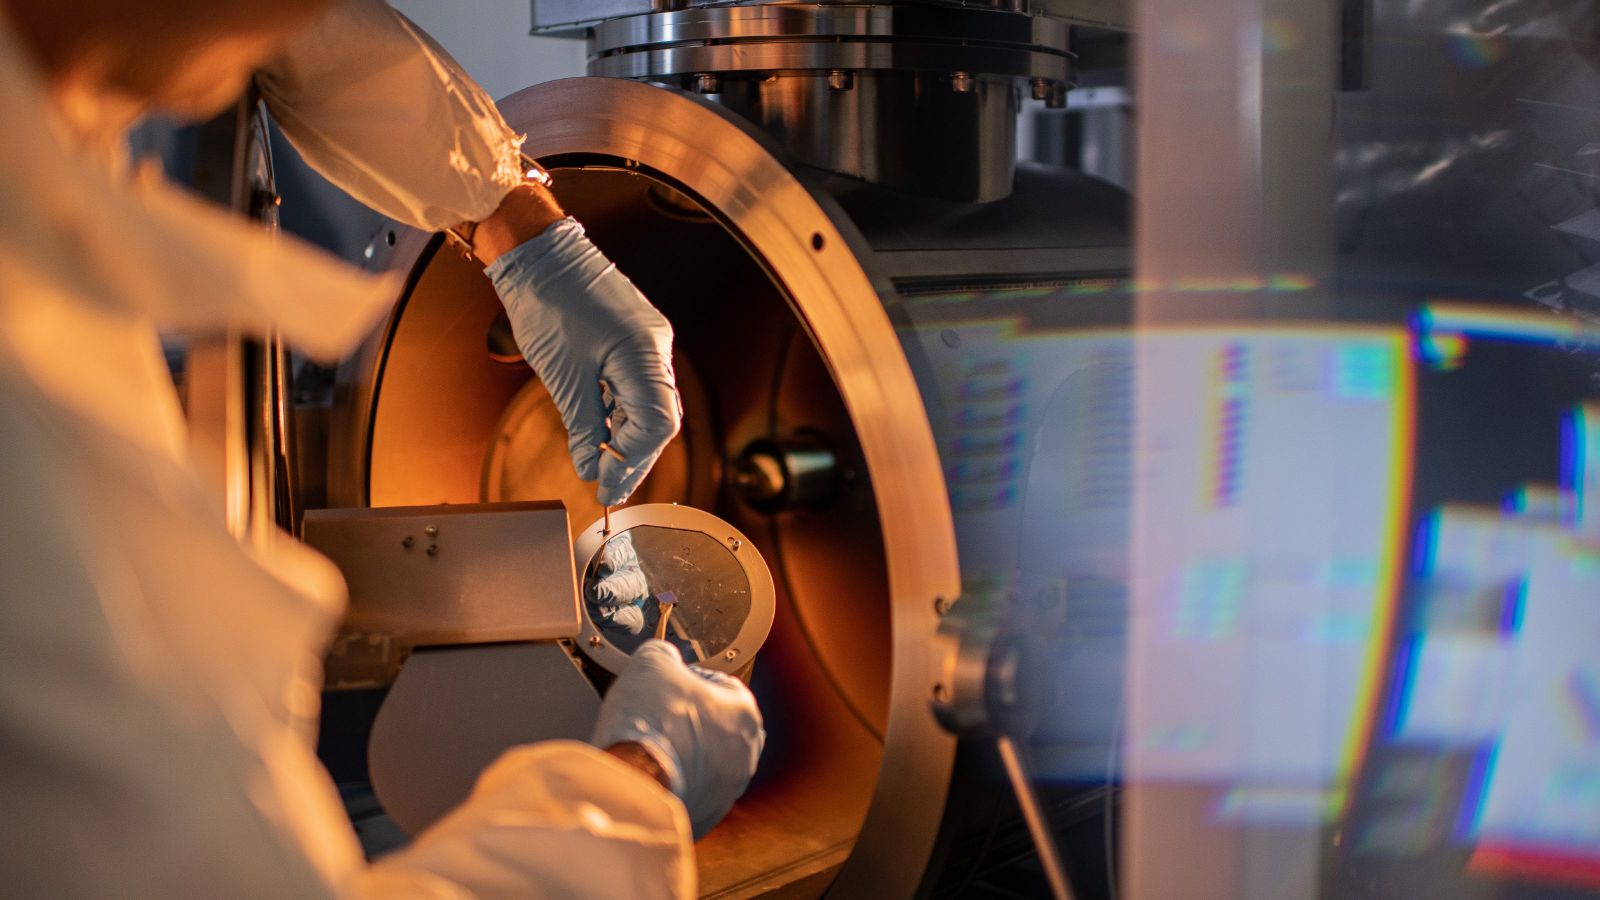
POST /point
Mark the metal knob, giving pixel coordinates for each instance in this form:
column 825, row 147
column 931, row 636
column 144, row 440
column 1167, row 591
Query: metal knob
column 799, row 471
column 1052, row 92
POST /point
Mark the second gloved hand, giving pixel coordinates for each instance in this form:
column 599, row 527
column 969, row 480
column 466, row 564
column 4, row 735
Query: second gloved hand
column 702, row 727
column 580, row 322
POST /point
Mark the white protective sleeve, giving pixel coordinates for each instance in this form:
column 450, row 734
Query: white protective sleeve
column 152, row 694
column 558, row 819
column 379, row 109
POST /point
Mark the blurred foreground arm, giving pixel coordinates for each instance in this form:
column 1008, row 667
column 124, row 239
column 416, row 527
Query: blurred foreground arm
column 555, row 819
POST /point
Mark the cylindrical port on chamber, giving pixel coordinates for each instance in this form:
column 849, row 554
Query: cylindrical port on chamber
column 798, row 472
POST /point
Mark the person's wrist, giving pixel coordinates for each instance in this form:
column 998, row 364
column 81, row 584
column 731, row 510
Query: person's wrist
column 526, row 212
column 635, row 754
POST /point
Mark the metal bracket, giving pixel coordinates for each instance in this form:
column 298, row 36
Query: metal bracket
column 424, row 576
column 985, row 688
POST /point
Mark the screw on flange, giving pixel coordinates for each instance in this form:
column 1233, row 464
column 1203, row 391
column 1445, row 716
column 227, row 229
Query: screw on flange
column 731, row 655
column 430, row 530
column 841, row 79
column 735, row 543
column 433, row 549
column 961, row 82
column 1051, row 91
column 941, row 606
column 408, row 542
column 594, row 640
column 707, row 83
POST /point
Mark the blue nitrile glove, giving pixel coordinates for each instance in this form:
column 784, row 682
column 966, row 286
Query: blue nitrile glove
column 702, row 727
column 622, row 587
column 622, row 579
column 580, row 323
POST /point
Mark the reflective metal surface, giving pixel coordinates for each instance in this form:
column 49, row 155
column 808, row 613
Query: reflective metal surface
column 761, row 23
column 567, row 17
column 919, row 96
column 763, row 58
column 801, row 472
column 659, row 554
column 443, row 575
column 880, row 128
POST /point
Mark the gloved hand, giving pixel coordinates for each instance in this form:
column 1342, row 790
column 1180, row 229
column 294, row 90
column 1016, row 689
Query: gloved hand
column 702, row 727
column 622, row 587
column 622, row 579
column 626, row 616
column 580, row 322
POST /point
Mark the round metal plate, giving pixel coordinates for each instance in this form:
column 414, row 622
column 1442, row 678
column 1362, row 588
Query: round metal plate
column 788, row 22
column 730, row 657
column 796, row 56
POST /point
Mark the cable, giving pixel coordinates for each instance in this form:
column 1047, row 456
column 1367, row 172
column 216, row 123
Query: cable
column 1111, row 795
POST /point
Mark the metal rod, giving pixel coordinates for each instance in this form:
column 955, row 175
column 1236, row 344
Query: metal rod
column 661, row 624
column 605, row 528
column 1038, row 825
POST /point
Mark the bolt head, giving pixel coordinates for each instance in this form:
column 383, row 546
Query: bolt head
column 841, row 80
column 731, row 655
column 941, row 606
column 594, row 640
column 735, row 543
column 961, row 82
column 430, row 530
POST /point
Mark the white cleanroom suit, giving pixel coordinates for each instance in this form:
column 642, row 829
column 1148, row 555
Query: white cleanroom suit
column 159, row 681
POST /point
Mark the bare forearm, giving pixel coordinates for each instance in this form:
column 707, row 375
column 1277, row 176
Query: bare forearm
column 527, row 210
column 635, row 755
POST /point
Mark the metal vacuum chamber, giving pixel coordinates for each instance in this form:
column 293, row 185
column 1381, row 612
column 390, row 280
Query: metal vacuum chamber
column 833, row 413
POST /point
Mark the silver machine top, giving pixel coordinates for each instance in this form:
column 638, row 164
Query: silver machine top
column 920, row 97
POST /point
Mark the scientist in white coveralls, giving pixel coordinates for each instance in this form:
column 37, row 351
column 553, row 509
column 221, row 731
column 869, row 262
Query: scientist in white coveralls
column 159, row 680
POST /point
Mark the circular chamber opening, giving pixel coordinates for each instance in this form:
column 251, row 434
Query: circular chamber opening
column 456, row 419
